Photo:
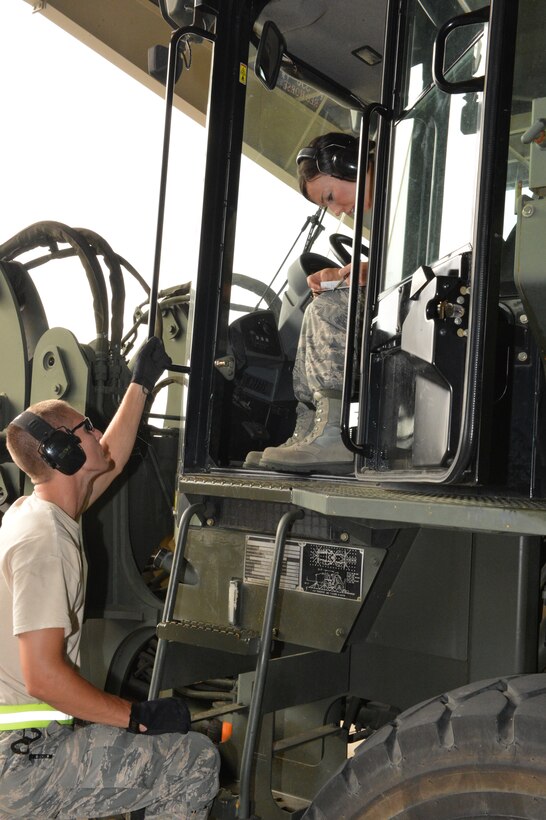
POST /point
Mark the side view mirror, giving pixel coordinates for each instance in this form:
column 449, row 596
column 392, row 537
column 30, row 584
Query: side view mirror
column 158, row 58
column 270, row 51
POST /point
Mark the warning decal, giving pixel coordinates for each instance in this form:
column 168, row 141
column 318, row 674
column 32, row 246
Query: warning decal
column 323, row 569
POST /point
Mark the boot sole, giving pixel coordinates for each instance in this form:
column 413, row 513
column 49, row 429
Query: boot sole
column 333, row 468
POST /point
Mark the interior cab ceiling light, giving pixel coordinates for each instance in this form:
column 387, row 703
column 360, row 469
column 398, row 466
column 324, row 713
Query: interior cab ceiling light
column 368, row 55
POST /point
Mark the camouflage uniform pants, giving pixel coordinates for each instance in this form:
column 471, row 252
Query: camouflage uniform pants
column 320, row 356
column 96, row 771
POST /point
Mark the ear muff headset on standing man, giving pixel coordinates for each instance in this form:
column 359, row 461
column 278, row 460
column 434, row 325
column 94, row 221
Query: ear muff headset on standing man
column 59, row 447
column 334, row 159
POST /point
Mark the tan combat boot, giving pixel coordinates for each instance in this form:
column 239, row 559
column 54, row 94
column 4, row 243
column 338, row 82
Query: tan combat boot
column 305, row 416
column 322, row 450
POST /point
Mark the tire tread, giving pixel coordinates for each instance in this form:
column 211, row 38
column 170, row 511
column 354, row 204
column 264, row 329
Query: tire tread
column 499, row 722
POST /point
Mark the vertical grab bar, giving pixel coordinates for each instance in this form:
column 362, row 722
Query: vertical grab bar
column 355, row 274
column 176, row 36
column 261, row 666
column 170, row 598
column 439, row 51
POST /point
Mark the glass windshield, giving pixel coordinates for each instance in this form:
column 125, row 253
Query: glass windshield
column 274, row 220
column 424, row 19
column 280, row 239
column 433, row 177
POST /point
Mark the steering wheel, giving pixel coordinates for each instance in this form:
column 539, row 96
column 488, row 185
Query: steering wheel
column 338, row 241
column 269, row 296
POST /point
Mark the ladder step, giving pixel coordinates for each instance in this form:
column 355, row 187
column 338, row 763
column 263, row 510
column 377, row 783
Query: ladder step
column 214, row 636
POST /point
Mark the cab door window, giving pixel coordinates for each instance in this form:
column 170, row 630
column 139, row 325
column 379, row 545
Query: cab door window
column 417, row 346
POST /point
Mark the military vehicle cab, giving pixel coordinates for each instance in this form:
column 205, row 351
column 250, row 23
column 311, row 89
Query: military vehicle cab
column 399, row 604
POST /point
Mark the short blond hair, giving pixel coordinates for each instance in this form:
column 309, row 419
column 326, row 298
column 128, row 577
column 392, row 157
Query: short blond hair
column 24, row 448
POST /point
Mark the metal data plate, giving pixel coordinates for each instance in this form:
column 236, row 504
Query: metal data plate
column 308, row 566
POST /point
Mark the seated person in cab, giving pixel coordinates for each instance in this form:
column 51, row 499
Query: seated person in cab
column 327, row 170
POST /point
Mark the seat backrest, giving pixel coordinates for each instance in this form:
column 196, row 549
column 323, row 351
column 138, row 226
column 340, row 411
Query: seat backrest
column 297, row 296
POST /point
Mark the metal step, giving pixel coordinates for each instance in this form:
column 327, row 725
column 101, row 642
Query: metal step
column 199, row 633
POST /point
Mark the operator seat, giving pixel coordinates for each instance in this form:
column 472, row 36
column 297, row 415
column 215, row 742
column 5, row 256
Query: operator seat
column 296, row 298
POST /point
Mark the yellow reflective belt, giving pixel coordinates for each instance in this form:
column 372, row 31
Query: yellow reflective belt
column 30, row 715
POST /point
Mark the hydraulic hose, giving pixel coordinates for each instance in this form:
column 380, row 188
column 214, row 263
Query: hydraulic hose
column 46, row 234
column 117, row 286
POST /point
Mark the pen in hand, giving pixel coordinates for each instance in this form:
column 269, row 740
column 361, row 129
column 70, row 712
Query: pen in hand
column 342, row 280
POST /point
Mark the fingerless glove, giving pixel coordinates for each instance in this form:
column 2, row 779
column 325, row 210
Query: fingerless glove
column 160, row 716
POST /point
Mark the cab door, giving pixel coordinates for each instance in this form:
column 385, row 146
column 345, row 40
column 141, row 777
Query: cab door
column 437, row 235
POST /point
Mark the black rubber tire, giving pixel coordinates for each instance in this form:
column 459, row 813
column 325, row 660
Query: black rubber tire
column 479, row 751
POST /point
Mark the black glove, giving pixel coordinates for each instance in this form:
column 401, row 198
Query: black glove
column 150, row 364
column 160, row 716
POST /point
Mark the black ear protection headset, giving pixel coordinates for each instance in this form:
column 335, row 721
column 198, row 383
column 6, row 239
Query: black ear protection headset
column 59, row 447
column 336, row 160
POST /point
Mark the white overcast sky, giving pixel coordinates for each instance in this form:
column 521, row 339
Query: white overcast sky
column 78, row 147
column 81, row 145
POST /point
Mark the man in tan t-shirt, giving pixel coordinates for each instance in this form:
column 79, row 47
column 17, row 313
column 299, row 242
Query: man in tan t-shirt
column 131, row 756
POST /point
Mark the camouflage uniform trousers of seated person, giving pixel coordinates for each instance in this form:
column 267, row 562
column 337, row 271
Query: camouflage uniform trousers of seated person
column 100, row 771
column 320, row 357
column 316, row 444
